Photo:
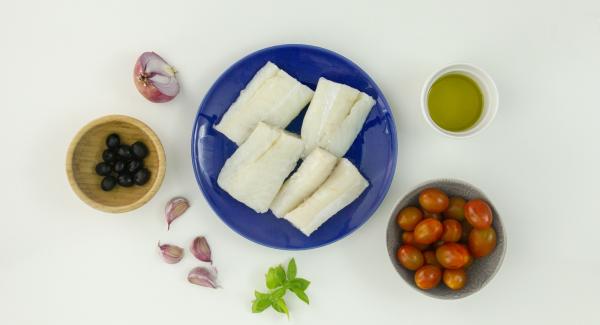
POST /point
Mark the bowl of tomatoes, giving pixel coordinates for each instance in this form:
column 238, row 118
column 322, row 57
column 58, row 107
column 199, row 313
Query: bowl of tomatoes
column 446, row 239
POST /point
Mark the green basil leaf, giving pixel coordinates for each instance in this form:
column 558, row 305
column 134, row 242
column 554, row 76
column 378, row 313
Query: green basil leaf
column 260, row 304
column 280, row 306
column 260, row 295
column 291, row 270
column 300, row 294
column 280, row 274
column 272, row 279
column 278, row 293
column 299, row 283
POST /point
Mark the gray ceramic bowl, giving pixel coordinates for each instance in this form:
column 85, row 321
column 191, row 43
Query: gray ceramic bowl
column 482, row 270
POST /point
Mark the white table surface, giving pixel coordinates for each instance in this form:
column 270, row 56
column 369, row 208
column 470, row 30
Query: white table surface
column 65, row 63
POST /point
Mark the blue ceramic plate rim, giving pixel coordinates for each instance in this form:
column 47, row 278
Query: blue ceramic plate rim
column 390, row 168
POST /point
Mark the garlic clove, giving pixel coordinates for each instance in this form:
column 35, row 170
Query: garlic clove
column 170, row 253
column 175, row 208
column 204, row 276
column 201, row 249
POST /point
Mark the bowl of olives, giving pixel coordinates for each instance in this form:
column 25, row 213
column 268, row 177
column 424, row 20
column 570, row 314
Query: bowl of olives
column 446, row 239
column 115, row 163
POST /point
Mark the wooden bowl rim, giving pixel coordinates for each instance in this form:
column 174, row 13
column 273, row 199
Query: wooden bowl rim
column 160, row 173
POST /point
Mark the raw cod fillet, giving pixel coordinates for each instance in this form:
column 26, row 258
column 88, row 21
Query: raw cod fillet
column 334, row 117
column 315, row 169
column 272, row 96
column 343, row 186
column 255, row 172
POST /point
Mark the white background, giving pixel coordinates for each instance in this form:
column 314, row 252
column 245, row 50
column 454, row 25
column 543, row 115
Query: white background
column 65, row 63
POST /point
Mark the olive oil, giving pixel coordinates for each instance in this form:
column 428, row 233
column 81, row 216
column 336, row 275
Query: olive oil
column 455, row 102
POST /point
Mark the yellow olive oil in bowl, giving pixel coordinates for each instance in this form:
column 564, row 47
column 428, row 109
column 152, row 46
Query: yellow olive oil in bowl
column 455, row 102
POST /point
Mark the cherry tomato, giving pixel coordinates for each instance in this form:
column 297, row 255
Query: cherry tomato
column 478, row 214
column 455, row 279
column 430, row 258
column 482, row 241
column 428, row 231
column 408, row 218
column 433, row 200
column 452, row 255
column 456, row 208
column 428, row 276
column 410, row 257
column 436, row 216
column 452, row 230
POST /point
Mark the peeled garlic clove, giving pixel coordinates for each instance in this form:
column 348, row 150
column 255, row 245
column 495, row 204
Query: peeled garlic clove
column 170, row 253
column 204, row 276
column 175, row 208
column 201, row 249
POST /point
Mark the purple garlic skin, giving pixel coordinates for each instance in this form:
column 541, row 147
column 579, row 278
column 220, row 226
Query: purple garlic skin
column 175, row 208
column 204, row 276
column 170, row 253
column 201, row 249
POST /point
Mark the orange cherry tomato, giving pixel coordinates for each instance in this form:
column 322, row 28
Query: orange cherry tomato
column 456, row 208
column 469, row 263
column 430, row 258
column 478, row 214
column 452, row 255
column 428, row 231
column 482, row 241
column 452, row 230
column 455, row 279
column 408, row 218
column 433, row 200
column 428, row 277
column 410, row 257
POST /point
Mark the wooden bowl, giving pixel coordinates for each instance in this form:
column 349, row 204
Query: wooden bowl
column 86, row 150
column 483, row 269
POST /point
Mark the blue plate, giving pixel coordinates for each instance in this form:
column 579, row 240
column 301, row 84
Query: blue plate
column 373, row 151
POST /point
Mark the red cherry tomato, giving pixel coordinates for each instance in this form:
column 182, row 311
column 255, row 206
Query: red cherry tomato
column 408, row 218
column 452, row 230
column 478, row 214
column 410, row 257
column 452, row 255
column 433, row 200
column 455, row 279
column 482, row 241
column 428, row 231
column 428, row 277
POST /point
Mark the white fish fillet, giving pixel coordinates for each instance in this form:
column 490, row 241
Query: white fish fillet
column 343, row 186
column 312, row 173
column 272, row 96
column 255, row 172
column 334, row 117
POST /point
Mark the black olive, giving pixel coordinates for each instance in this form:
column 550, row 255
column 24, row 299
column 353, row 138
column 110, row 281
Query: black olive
column 125, row 180
column 124, row 151
column 139, row 150
column 134, row 165
column 142, row 176
column 103, row 169
column 109, row 156
column 113, row 141
column 108, row 183
column 120, row 166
